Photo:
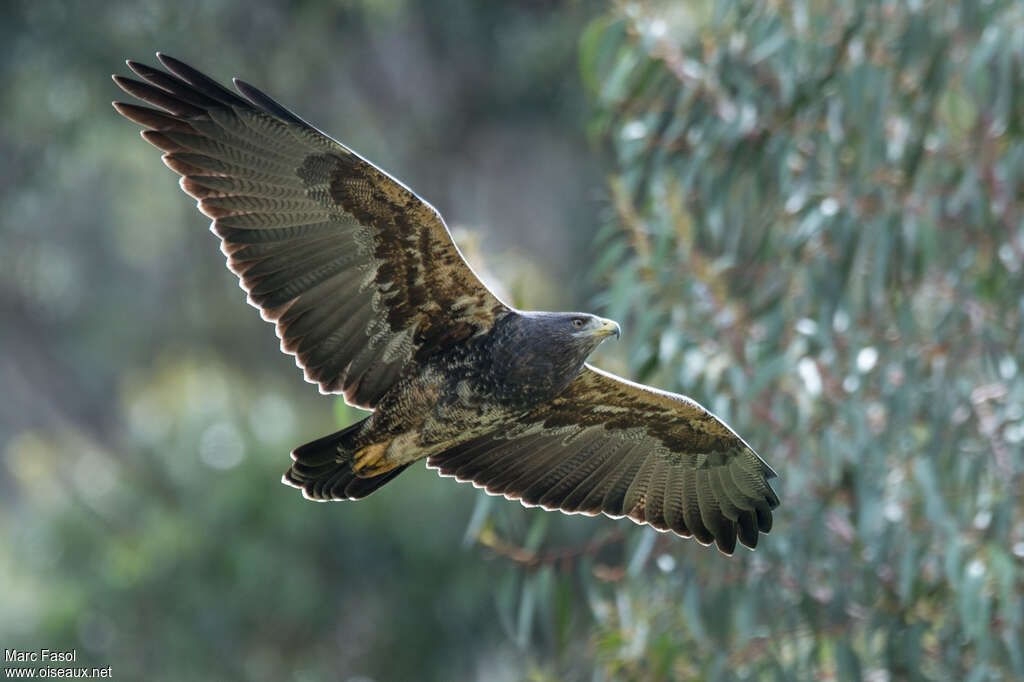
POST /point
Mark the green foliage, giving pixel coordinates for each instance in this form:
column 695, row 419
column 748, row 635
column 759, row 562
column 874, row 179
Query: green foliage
column 817, row 233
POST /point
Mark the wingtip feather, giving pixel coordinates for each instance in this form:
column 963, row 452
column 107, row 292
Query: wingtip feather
column 139, row 68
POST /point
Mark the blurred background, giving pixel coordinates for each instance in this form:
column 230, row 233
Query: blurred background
column 805, row 215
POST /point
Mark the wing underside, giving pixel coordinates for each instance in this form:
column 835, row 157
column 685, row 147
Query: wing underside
column 608, row 446
column 360, row 276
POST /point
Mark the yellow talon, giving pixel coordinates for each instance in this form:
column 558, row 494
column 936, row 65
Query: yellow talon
column 367, row 460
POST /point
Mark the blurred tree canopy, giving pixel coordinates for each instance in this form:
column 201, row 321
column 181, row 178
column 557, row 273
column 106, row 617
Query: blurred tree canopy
column 812, row 225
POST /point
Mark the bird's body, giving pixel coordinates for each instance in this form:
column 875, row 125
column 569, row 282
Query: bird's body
column 371, row 296
column 478, row 385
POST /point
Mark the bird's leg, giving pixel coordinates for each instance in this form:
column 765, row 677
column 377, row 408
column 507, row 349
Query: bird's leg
column 372, row 460
column 379, row 458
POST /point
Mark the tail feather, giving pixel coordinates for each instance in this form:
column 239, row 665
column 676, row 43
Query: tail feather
column 323, row 471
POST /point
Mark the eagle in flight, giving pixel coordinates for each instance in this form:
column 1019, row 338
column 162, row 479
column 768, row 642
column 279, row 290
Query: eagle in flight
column 370, row 294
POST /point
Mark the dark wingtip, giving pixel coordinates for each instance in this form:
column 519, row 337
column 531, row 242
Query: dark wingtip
column 175, row 66
column 726, row 543
column 198, row 80
column 169, row 61
column 242, row 86
column 143, row 70
column 747, row 529
column 764, row 520
column 257, row 97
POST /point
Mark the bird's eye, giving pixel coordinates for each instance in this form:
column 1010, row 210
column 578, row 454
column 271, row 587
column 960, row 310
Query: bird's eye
column 577, row 322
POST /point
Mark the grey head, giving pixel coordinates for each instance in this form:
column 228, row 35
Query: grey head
column 574, row 334
column 545, row 351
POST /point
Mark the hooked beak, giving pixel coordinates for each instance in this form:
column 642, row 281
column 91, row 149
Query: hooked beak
column 607, row 328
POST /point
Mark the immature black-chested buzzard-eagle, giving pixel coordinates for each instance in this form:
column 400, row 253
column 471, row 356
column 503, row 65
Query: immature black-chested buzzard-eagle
column 371, row 296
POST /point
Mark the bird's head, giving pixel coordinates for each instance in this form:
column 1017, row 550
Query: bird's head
column 574, row 335
column 546, row 351
column 591, row 330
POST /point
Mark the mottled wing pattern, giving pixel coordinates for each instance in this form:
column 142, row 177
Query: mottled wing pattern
column 359, row 274
column 607, row 445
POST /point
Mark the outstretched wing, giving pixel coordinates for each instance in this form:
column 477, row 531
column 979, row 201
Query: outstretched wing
column 607, row 445
column 359, row 274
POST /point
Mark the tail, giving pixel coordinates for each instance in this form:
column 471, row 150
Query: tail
column 323, row 471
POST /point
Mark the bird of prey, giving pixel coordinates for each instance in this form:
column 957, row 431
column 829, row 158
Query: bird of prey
column 370, row 294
